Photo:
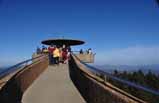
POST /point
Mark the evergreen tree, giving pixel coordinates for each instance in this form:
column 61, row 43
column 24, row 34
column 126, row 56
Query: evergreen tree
column 148, row 80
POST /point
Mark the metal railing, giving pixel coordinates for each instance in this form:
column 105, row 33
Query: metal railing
column 96, row 89
column 18, row 66
column 131, row 84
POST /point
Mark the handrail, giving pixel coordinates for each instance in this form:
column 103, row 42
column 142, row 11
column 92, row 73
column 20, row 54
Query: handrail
column 155, row 92
column 106, row 87
column 16, row 67
column 96, row 70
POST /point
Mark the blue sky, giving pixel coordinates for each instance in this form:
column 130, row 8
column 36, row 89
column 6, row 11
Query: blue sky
column 119, row 31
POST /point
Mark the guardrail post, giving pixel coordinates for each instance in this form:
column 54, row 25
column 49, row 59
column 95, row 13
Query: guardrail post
column 105, row 78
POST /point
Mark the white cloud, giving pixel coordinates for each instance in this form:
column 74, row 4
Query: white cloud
column 131, row 56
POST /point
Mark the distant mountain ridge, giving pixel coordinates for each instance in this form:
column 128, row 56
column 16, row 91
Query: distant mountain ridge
column 129, row 68
column 1, row 68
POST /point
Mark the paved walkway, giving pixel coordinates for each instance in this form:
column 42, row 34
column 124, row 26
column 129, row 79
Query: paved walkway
column 53, row 86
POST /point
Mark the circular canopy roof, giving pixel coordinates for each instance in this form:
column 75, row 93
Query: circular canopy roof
column 61, row 42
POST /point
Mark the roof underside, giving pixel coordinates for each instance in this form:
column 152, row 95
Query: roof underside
column 61, row 42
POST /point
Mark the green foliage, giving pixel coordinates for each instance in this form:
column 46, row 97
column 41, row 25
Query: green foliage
column 149, row 80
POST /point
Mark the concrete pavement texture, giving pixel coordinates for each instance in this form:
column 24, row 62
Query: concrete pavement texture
column 53, row 86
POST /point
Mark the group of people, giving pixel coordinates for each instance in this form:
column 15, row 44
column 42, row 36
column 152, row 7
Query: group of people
column 57, row 54
column 89, row 51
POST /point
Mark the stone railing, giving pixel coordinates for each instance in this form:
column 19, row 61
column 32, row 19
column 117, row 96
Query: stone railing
column 94, row 89
column 15, row 87
column 87, row 58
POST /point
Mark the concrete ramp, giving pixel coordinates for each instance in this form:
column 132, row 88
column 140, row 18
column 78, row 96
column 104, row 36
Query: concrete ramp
column 53, row 86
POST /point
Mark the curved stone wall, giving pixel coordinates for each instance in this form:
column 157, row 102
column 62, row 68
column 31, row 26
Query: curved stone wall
column 14, row 89
column 93, row 89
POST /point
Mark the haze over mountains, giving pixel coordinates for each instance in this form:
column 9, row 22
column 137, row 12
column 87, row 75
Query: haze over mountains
column 130, row 68
column 3, row 67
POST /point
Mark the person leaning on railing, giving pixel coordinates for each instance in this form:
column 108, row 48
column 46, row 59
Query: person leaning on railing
column 45, row 50
column 38, row 50
column 81, row 51
column 89, row 51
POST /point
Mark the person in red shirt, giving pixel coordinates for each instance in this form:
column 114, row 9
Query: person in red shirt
column 51, row 50
column 64, row 55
